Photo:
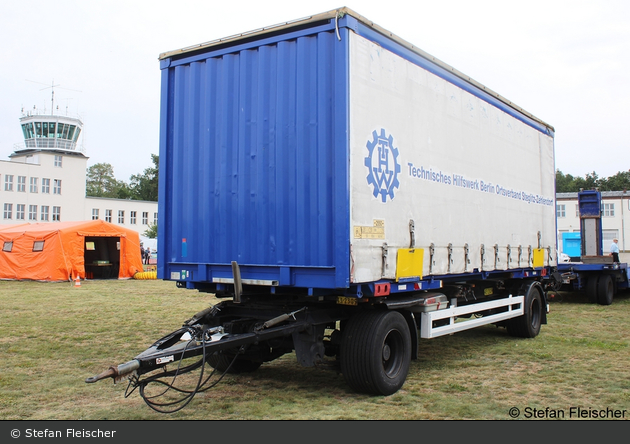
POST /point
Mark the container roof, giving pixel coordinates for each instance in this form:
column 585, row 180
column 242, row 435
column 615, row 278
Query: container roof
column 262, row 31
column 336, row 14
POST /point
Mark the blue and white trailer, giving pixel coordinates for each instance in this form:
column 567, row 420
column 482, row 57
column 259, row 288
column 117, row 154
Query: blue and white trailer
column 347, row 195
column 592, row 271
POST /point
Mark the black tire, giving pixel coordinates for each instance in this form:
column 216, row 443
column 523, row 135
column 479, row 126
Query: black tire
column 592, row 285
column 528, row 325
column 222, row 362
column 605, row 290
column 375, row 352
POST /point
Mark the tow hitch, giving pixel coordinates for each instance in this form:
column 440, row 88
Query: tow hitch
column 223, row 350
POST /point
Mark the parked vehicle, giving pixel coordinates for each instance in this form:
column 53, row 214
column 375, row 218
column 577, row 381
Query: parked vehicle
column 346, row 195
column 593, row 272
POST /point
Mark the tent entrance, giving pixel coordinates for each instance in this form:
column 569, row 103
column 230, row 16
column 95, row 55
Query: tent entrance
column 102, row 257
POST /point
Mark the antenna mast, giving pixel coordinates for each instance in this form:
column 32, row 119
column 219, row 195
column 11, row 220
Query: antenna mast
column 52, row 98
column 52, row 94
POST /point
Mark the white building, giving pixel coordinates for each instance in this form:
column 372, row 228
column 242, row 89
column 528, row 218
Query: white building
column 615, row 218
column 44, row 180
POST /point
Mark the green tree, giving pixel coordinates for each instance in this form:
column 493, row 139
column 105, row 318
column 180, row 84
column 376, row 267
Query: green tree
column 565, row 184
column 151, row 232
column 618, row 182
column 100, row 182
column 145, row 186
column 590, row 181
column 124, row 192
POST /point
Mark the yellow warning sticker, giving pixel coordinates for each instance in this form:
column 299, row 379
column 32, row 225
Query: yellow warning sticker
column 376, row 231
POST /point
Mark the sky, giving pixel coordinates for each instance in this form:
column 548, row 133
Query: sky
column 565, row 62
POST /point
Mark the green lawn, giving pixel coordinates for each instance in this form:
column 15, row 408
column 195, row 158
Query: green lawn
column 54, row 335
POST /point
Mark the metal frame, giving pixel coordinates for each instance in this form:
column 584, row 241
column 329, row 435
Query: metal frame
column 513, row 303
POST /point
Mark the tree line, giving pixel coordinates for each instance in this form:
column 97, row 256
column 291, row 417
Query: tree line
column 100, row 182
column 566, row 183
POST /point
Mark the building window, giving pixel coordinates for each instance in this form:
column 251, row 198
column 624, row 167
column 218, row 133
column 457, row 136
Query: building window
column 46, row 186
column 560, row 210
column 32, row 212
column 56, row 215
column 58, row 160
column 121, row 216
column 94, row 213
column 32, row 159
column 608, row 209
column 8, row 211
column 154, row 218
column 577, row 211
column 44, row 214
column 19, row 211
column 132, row 217
column 145, row 218
column 108, row 216
column 21, row 184
column 33, row 188
column 57, row 186
column 8, row 182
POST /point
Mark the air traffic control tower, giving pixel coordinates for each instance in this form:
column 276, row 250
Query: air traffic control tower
column 45, row 179
column 50, row 132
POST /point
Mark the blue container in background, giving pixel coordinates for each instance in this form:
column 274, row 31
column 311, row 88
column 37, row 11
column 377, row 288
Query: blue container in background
column 572, row 244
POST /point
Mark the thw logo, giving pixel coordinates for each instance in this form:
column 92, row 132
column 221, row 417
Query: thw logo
column 382, row 164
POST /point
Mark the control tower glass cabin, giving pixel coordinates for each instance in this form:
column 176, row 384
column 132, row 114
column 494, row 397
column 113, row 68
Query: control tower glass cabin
column 50, row 132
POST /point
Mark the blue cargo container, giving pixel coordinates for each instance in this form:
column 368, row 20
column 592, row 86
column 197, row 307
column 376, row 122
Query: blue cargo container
column 572, row 244
column 345, row 194
column 255, row 165
column 254, row 159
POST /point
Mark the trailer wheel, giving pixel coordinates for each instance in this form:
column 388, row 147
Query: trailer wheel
column 605, row 290
column 528, row 325
column 375, row 352
column 222, row 362
column 592, row 288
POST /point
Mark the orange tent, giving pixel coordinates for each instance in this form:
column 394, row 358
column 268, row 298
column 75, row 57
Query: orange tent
column 61, row 251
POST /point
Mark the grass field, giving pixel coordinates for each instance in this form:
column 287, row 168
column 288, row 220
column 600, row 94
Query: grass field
column 54, row 335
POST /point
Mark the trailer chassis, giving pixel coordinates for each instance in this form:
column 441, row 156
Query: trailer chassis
column 370, row 340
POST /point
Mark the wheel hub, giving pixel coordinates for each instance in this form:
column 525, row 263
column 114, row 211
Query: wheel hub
column 387, row 352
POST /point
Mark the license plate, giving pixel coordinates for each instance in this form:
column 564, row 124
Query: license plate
column 164, row 360
column 343, row 300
